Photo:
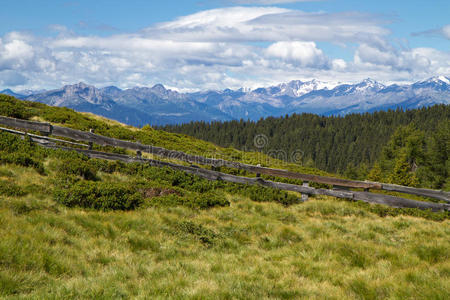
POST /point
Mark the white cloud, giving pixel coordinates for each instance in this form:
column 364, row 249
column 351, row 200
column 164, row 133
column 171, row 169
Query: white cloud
column 15, row 51
column 304, row 54
column 339, row 64
column 373, row 55
column 216, row 49
column 418, row 62
column 270, row 24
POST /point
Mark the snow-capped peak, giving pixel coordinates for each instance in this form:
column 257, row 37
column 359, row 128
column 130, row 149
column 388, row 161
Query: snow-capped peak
column 437, row 79
column 444, row 79
column 372, row 83
column 297, row 88
column 368, row 85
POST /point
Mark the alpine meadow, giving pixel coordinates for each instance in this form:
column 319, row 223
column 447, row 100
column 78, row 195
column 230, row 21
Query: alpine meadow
column 233, row 149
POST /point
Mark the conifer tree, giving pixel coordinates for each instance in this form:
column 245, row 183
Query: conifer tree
column 402, row 174
column 375, row 174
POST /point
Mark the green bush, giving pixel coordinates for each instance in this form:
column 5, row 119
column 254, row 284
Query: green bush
column 11, row 107
column 385, row 211
column 61, row 115
column 99, row 195
column 197, row 184
column 209, row 199
column 10, row 189
column 12, row 143
column 264, row 194
column 204, row 235
column 104, row 165
column 76, row 167
column 74, row 163
column 199, row 201
column 22, row 152
column 22, row 159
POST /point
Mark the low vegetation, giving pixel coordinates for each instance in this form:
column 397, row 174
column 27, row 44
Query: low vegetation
column 147, row 135
column 320, row 249
column 75, row 228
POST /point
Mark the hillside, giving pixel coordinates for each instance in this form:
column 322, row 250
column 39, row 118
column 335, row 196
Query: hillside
column 13, row 107
column 74, row 227
column 337, row 143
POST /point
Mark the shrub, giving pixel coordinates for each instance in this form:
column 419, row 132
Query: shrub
column 8, row 188
column 22, row 159
column 60, row 115
column 103, row 165
column 200, row 201
column 200, row 185
column 209, row 199
column 264, row 194
column 99, row 195
column 384, row 211
column 204, row 235
column 12, row 143
column 77, row 166
column 11, row 107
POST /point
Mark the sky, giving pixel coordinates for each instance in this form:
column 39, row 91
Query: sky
column 194, row 45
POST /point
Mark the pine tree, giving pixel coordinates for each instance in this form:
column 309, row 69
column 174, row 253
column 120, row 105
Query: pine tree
column 375, row 174
column 402, row 174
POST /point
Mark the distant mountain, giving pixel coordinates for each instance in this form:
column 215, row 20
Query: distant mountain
column 11, row 93
column 137, row 106
column 159, row 106
column 322, row 98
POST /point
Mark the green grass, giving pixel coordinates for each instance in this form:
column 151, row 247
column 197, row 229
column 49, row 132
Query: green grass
column 186, row 237
column 248, row 250
column 324, row 248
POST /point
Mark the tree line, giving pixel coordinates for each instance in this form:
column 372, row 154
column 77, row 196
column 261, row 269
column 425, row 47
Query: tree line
column 409, row 147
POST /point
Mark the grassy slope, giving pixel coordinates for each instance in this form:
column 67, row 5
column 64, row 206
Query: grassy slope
column 323, row 248
column 85, row 121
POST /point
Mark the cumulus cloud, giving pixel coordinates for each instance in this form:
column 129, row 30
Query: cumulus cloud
column 215, row 49
column 417, row 62
column 15, row 51
column 304, row 54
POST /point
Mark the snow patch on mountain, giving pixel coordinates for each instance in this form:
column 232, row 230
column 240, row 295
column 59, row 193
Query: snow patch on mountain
column 160, row 105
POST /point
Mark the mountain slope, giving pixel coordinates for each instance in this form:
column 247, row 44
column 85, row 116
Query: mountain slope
column 9, row 92
column 320, row 98
column 137, row 106
column 159, row 106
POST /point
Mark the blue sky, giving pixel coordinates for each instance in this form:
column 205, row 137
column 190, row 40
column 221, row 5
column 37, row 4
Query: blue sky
column 195, row 44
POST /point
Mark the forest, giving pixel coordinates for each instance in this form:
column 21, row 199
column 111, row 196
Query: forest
column 409, row 147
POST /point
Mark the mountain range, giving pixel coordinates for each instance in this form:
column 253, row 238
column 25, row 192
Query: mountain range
column 159, row 106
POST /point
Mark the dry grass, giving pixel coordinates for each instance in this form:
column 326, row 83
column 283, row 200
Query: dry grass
column 321, row 249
